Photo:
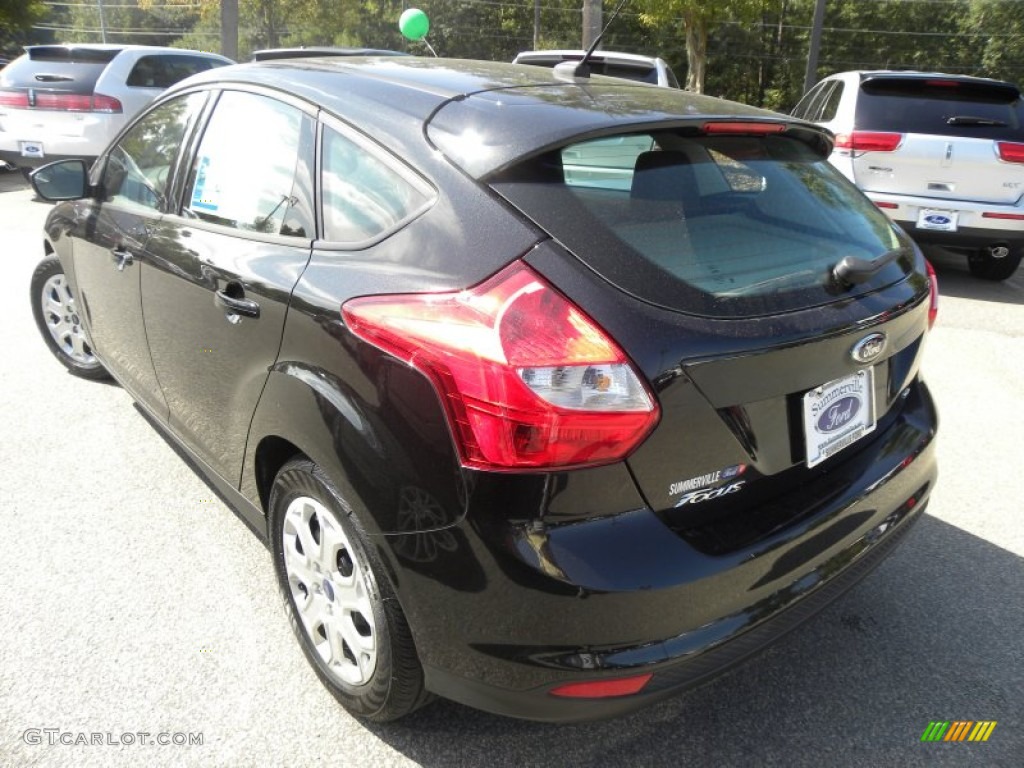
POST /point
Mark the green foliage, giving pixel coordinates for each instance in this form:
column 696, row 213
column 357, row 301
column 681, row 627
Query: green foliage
column 754, row 51
column 16, row 19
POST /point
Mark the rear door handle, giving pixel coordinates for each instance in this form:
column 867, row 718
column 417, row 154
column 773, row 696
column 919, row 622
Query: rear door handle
column 233, row 305
column 122, row 257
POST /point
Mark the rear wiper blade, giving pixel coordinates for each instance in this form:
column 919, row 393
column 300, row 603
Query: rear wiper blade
column 54, row 78
column 851, row 271
column 971, row 120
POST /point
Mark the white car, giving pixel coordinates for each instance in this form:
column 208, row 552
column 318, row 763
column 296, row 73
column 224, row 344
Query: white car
column 631, row 66
column 942, row 155
column 69, row 101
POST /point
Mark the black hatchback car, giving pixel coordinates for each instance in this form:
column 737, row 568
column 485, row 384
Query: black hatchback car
column 550, row 396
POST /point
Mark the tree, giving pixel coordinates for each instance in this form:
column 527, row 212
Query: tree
column 16, row 20
column 696, row 17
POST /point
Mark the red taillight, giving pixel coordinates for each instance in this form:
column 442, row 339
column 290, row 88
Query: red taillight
column 886, row 205
column 527, row 380
column 15, row 99
column 739, row 127
column 933, row 294
column 1011, row 151
column 868, row 141
column 103, row 103
column 1009, row 216
column 603, row 689
column 76, row 102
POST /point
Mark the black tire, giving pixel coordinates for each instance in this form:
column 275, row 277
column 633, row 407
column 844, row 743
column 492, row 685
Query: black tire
column 394, row 687
column 986, row 266
column 63, row 335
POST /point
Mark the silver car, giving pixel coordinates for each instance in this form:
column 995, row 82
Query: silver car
column 942, row 155
column 70, row 101
column 631, row 66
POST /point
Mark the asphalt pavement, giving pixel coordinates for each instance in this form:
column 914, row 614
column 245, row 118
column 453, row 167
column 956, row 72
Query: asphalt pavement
column 133, row 601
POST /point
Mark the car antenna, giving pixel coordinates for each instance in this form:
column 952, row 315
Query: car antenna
column 581, row 68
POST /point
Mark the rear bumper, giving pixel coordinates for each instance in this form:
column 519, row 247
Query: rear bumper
column 625, row 595
column 975, row 230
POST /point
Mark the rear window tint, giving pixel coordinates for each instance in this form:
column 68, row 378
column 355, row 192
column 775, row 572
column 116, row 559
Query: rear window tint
column 940, row 107
column 61, row 74
column 723, row 226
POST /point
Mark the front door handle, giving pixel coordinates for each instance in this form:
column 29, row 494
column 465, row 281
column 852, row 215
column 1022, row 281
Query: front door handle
column 235, row 305
column 122, row 257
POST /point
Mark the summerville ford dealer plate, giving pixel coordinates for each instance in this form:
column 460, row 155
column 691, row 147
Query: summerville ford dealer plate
column 838, row 414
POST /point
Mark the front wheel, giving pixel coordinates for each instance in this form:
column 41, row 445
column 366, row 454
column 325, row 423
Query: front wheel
column 996, row 263
column 57, row 316
column 338, row 600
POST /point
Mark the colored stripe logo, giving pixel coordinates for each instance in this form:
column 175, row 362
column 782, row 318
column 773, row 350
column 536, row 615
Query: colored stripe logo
column 958, row 730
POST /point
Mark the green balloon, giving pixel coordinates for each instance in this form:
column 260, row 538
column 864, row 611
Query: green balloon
column 414, row 24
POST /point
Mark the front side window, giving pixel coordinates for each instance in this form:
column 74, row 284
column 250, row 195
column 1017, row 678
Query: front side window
column 137, row 170
column 243, row 175
column 718, row 225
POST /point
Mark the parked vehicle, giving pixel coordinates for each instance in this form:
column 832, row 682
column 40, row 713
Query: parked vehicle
column 552, row 398
column 304, row 52
column 631, row 66
column 59, row 101
column 942, row 155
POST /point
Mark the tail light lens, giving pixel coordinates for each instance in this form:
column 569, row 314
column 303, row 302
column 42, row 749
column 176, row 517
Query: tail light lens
column 933, row 294
column 527, row 380
column 868, row 141
column 62, row 102
column 743, row 128
column 15, row 99
column 1011, row 151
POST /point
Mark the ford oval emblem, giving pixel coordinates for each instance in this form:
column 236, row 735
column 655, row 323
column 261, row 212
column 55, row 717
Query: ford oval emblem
column 868, row 348
column 839, row 414
column 937, row 219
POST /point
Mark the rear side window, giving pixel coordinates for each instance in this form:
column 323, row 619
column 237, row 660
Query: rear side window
column 723, row 226
column 363, row 196
column 943, row 107
column 164, row 70
column 821, row 104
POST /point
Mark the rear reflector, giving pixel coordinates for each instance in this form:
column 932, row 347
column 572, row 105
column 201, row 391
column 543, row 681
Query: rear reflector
column 883, row 204
column 868, row 141
column 1010, row 216
column 527, row 380
column 744, row 128
column 603, row 689
column 1011, row 151
column 933, row 294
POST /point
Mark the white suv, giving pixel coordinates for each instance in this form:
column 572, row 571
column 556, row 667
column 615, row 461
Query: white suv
column 631, row 66
column 942, row 155
column 63, row 101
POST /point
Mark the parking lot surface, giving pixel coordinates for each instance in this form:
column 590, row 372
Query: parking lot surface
column 133, row 601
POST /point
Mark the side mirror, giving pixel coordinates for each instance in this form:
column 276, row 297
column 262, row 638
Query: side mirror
column 62, row 180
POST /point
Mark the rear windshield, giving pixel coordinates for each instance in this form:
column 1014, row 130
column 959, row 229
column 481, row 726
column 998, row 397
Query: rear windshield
column 74, row 70
column 722, row 226
column 940, row 107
